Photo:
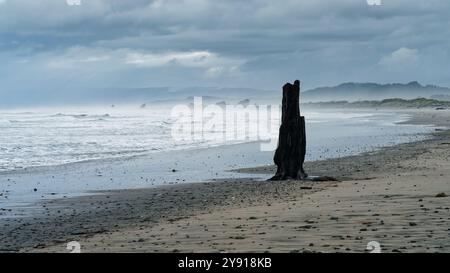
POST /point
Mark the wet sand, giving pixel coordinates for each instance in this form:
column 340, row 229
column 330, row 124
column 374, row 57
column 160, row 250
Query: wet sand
column 392, row 196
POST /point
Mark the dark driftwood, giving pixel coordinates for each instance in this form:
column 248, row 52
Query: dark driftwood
column 290, row 154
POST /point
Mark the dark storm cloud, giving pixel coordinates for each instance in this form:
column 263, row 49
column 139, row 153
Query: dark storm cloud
column 227, row 43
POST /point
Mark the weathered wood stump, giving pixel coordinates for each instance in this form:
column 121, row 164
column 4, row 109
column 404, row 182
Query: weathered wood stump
column 290, row 154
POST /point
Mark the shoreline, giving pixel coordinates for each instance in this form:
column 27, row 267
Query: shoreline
column 106, row 222
column 25, row 187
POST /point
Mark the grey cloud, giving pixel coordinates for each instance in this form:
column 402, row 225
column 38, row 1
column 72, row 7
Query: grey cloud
column 254, row 42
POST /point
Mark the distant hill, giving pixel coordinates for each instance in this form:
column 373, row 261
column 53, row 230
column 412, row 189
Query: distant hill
column 441, row 97
column 350, row 92
column 373, row 91
column 187, row 93
column 140, row 96
column 386, row 103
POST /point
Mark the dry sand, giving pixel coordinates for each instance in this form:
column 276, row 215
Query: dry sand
column 388, row 196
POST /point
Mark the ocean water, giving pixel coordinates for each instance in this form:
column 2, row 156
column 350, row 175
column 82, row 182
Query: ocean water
column 60, row 136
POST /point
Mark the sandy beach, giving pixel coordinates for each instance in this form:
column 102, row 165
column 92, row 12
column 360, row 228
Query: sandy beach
column 397, row 196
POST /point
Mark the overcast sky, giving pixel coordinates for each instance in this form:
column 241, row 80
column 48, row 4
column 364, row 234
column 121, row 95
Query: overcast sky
column 50, row 45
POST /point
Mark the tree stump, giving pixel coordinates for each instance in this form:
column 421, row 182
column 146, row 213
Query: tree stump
column 290, row 154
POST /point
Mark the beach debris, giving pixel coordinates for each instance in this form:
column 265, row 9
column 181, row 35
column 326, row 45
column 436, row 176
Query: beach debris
column 442, row 194
column 304, row 227
column 237, row 237
column 321, row 178
column 290, row 154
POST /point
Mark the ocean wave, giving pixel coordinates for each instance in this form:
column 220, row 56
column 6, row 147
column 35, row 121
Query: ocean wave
column 80, row 116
